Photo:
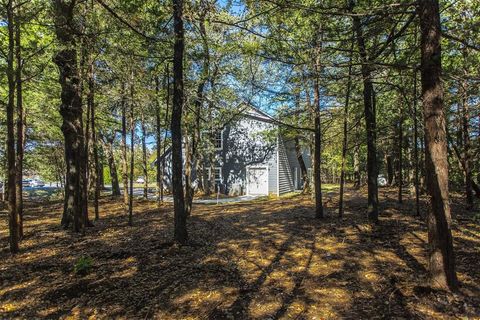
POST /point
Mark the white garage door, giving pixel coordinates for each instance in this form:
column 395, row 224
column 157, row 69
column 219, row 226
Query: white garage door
column 257, row 181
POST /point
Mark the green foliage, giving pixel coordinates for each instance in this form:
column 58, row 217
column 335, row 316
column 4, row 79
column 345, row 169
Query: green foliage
column 83, row 265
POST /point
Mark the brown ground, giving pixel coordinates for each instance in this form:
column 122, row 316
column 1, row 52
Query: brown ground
column 258, row 260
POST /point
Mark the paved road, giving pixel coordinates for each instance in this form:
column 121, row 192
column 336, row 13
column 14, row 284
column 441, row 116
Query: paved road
column 37, row 193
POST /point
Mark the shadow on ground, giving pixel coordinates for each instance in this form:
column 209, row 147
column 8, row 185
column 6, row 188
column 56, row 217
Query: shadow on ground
column 257, row 260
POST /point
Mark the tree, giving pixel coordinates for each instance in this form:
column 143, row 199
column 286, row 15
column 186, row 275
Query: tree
column 180, row 225
column 441, row 263
column 11, row 169
column 72, row 112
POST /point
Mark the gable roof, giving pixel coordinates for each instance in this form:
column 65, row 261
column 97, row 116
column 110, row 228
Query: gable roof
column 257, row 114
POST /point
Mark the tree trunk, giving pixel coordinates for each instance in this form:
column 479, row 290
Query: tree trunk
column 356, row 167
column 20, row 129
column 317, row 155
column 158, row 128
column 71, row 112
column 390, row 169
column 188, row 146
column 442, row 265
column 467, row 161
column 400, row 158
column 180, row 217
column 345, row 130
column 101, row 161
column 124, row 153
column 415, row 143
column 11, row 170
column 93, row 138
column 370, row 123
column 132, row 154
column 144, row 157
column 112, row 166
column 303, row 167
column 167, row 102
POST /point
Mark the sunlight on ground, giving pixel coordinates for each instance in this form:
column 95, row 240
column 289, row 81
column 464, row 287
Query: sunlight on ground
column 259, row 260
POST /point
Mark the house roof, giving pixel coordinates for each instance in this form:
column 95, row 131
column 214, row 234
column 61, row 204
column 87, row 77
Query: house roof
column 257, row 114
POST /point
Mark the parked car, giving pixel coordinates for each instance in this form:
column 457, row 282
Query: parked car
column 26, row 183
column 140, row 180
column 382, row 182
column 37, row 183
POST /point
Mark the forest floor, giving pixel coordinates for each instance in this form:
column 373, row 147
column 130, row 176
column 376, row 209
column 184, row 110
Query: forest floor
column 265, row 259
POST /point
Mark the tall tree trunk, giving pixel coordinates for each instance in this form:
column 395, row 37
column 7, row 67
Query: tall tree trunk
column 20, row 128
column 124, row 153
column 94, row 173
column 442, row 265
column 415, row 142
column 317, row 154
column 400, row 158
column 158, row 128
column 390, row 169
column 370, row 124
column 167, row 102
column 112, row 166
column 132, row 154
column 101, row 162
column 144, row 157
column 467, row 161
column 189, row 192
column 11, row 170
column 180, row 219
column 303, row 167
column 71, row 112
column 356, row 166
column 345, row 130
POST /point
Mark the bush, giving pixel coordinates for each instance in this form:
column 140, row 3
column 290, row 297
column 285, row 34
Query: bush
column 83, row 265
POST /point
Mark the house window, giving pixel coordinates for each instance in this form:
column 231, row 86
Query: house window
column 218, row 139
column 218, row 174
column 215, row 137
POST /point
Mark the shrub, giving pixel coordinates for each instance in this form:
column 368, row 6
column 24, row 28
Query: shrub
column 83, row 265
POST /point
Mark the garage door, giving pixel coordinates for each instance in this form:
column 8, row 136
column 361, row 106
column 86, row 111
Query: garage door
column 257, row 181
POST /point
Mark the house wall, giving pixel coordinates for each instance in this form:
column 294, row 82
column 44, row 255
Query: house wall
column 253, row 140
column 273, row 173
column 293, row 161
column 249, row 141
column 285, row 178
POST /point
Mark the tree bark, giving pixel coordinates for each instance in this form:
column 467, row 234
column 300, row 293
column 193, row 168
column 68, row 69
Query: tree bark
column 132, row 153
column 467, row 161
column 71, row 112
column 356, row 167
column 124, row 153
column 180, row 217
column 415, row 143
column 400, row 158
column 345, row 130
column 317, row 155
column 112, row 166
column 11, row 170
column 93, row 138
column 144, row 157
column 370, row 123
column 442, row 265
column 20, row 127
column 158, row 128
column 303, row 167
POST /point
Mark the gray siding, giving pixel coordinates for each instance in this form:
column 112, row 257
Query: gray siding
column 272, row 174
column 294, row 165
column 285, row 178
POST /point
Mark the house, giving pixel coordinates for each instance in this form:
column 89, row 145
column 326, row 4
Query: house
column 251, row 157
